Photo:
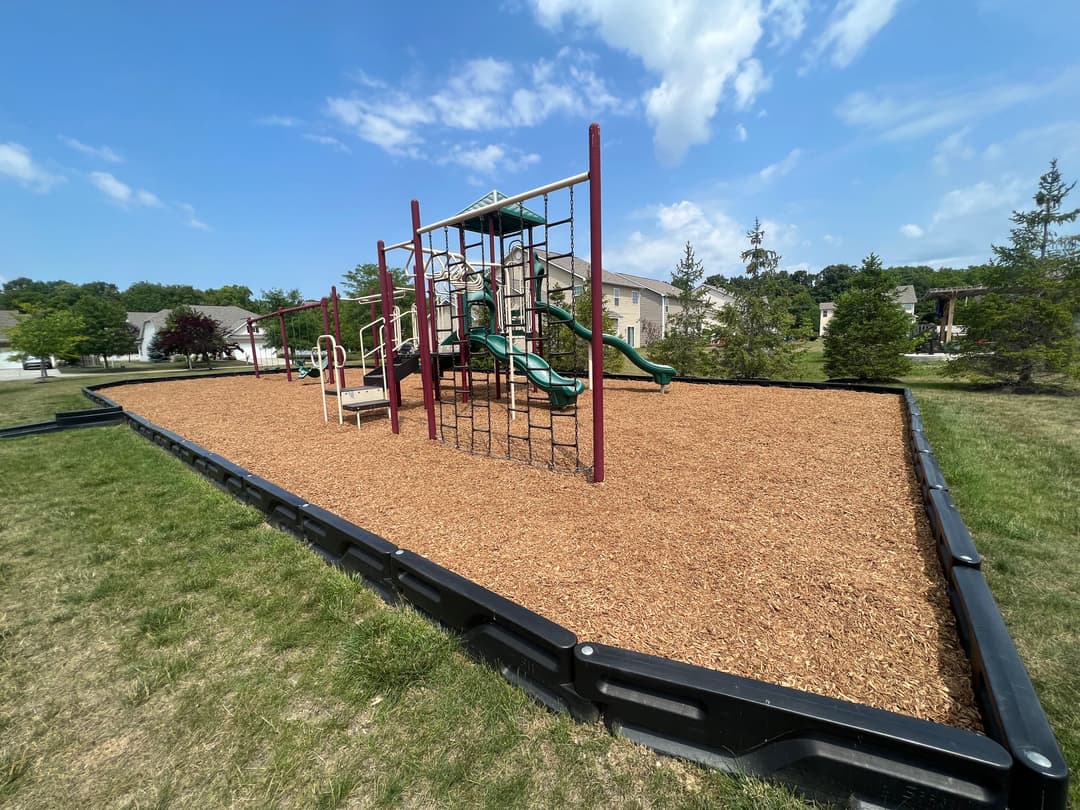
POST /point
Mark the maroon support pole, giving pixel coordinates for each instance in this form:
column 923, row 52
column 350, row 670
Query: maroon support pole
column 251, row 337
column 393, row 392
column 419, row 274
column 495, row 300
column 337, row 335
column 434, row 332
column 596, row 259
column 284, row 345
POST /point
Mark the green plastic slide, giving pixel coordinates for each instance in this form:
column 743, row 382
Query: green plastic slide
column 561, row 390
column 661, row 374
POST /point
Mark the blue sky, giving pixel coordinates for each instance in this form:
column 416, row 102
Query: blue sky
column 272, row 144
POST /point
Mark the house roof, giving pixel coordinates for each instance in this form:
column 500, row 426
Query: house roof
column 715, row 289
column 232, row 319
column 903, row 294
column 582, row 269
column 654, row 284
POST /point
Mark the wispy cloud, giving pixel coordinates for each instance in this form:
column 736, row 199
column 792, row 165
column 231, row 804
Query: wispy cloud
column 326, row 140
column 718, row 239
column 914, row 112
column 482, row 95
column 105, row 153
column 17, row 163
column 851, row 26
column 120, row 192
column 487, row 160
column 911, row 231
column 279, row 121
column 781, row 168
column 740, row 133
column 192, row 218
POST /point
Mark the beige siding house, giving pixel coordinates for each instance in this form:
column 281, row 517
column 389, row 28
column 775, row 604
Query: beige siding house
column 904, row 295
column 642, row 306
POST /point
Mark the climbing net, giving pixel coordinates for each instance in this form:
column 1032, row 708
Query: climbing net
column 505, row 384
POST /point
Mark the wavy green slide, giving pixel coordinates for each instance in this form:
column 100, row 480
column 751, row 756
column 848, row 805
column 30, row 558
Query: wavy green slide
column 661, row 374
column 561, row 390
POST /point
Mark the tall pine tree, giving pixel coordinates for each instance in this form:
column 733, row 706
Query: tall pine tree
column 869, row 334
column 756, row 332
column 1024, row 330
column 686, row 345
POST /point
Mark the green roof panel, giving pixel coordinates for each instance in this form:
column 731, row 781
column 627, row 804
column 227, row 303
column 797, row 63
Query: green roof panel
column 513, row 218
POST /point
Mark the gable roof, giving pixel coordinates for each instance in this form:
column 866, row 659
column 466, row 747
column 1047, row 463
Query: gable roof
column 903, row 294
column 717, row 290
column 232, row 319
column 654, row 284
column 583, row 270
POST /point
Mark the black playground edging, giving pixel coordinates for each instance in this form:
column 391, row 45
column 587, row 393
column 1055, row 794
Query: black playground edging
column 68, row 420
column 828, row 749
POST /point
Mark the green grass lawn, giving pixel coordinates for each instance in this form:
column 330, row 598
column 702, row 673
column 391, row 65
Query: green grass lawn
column 160, row 646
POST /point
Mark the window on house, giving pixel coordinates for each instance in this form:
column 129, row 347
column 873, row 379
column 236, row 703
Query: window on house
column 630, row 335
column 578, row 289
column 635, row 297
column 615, row 295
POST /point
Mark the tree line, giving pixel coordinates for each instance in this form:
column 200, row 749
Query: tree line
column 1024, row 330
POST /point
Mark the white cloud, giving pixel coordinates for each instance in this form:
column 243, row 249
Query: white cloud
column 918, row 111
column 740, row 133
column 192, row 220
column 911, row 231
column 17, row 163
column 830, row 239
column 953, row 150
column 278, row 121
column 121, row 192
column 717, row 239
column 489, row 159
column 482, row 94
column 783, row 167
column 696, row 48
column 326, row 140
column 981, row 199
column 788, row 18
column 852, row 25
column 750, row 81
column 100, row 152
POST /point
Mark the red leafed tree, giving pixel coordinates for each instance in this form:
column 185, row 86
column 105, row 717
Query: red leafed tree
column 190, row 333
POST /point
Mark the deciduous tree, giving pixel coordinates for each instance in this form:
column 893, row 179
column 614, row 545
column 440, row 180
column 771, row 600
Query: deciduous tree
column 45, row 334
column 190, row 333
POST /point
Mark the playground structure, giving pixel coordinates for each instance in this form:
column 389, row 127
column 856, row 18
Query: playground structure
column 481, row 312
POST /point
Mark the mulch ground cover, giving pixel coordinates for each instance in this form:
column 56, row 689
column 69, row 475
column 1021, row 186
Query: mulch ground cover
column 772, row 533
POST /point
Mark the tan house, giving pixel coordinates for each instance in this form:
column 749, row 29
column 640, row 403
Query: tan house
column 233, row 322
column 642, row 306
column 904, row 295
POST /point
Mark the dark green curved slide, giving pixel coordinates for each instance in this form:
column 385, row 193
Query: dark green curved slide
column 561, row 390
column 660, row 373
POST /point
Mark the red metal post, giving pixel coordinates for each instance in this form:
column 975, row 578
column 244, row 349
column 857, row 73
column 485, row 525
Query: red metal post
column 596, row 259
column 495, row 300
column 337, row 335
column 251, row 337
column 422, row 314
column 284, row 344
column 434, row 310
column 393, row 391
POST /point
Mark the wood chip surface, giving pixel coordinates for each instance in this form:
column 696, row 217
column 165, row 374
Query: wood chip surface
column 773, row 533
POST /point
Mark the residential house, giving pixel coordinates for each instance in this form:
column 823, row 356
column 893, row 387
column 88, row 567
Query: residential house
column 233, row 321
column 904, row 296
column 717, row 297
column 642, row 306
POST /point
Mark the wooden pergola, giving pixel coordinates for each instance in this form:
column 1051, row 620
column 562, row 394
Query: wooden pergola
column 950, row 294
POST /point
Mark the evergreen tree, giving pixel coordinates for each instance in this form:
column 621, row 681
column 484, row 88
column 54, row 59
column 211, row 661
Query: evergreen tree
column 756, row 332
column 869, row 334
column 686, row 345
column 1026, row 325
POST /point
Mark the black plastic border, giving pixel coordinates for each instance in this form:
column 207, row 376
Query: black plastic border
column 68, row 420
column 827, row 748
